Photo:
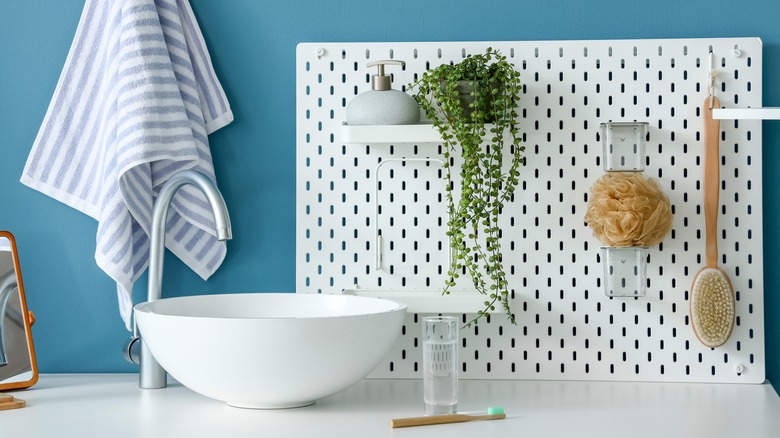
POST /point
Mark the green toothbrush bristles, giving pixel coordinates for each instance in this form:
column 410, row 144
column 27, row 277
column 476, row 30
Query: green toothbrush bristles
column 495, row 410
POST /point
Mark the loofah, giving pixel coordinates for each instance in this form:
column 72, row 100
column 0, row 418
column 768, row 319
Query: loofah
column 712, row 307
column 627, row 209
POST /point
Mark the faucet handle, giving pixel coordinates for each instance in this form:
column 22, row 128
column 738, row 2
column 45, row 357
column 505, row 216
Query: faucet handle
column 132, row 350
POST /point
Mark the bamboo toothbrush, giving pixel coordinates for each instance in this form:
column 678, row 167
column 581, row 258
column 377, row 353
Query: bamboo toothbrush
column 492, row 414
column 712, row 297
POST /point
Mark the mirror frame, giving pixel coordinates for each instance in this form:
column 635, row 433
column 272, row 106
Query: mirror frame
column 29, row 319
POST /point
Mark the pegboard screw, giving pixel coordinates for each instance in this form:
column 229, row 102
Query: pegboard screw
column 736, row 52
column 739, row 369
column 320, row 52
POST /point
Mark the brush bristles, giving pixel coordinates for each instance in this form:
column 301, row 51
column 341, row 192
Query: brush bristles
column 712, row 308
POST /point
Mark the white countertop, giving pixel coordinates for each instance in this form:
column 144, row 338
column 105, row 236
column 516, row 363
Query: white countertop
column 100, row 405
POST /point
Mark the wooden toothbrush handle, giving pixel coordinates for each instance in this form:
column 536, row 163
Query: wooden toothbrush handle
column 711, row 180
column 442, row 419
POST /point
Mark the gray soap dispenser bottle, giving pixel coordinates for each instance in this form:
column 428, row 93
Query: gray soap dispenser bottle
column 382, row 105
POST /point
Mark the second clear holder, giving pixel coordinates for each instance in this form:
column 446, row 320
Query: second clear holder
column 624, row 146
column 625, row 270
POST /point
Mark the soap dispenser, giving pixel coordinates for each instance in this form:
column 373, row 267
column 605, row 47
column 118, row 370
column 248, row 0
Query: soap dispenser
column 382, row 105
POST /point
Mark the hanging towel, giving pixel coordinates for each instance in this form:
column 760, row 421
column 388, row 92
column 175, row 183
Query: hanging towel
column 134, row 104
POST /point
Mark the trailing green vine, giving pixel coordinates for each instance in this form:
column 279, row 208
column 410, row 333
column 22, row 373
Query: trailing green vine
column 480, row 131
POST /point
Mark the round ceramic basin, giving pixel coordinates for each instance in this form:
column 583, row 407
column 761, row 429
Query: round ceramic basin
column 269, row 350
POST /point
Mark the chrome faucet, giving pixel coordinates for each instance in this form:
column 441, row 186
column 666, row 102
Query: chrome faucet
column 151, row 374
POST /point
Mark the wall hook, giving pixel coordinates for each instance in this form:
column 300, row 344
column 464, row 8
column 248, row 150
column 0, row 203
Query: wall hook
column 712, row 74
column 377, row 231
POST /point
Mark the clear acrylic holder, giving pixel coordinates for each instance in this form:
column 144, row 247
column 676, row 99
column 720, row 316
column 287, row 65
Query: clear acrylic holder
column 624, row 146
column 625, row 270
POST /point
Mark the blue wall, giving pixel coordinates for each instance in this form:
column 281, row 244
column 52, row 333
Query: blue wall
column 252, row 45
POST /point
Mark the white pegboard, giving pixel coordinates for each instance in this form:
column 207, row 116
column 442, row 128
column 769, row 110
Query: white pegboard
column 566, row 327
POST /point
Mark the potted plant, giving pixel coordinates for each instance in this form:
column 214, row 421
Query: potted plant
column 473, row 106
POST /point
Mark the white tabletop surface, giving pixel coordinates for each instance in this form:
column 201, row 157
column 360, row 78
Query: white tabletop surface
column 103, row 405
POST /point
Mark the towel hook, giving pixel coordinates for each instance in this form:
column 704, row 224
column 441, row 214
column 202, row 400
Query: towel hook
column 378, row 232
column 712, row 74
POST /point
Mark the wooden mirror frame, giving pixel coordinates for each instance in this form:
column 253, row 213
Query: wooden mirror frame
column 29, row 320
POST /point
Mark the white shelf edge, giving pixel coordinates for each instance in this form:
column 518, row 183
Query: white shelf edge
column 366, row 134
column 427, row 301
column 746, row 113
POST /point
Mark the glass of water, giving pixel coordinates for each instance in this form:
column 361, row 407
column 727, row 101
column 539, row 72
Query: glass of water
column 440, row 364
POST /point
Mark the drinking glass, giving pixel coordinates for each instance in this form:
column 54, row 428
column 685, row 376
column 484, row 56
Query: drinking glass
column 440, row 364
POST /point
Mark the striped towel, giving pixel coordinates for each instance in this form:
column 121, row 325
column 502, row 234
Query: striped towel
column 135, row 103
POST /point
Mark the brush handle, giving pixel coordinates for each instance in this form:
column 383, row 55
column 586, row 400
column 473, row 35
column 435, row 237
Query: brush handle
column 442, row 419
column 711, row 180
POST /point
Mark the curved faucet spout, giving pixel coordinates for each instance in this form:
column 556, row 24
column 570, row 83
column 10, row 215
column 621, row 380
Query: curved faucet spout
column 152, row 375
column 160, row 218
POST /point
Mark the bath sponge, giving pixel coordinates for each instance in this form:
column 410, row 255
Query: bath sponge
column 627, row 209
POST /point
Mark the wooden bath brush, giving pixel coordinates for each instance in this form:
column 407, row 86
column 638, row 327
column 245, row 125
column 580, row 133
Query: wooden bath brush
column 712, row 297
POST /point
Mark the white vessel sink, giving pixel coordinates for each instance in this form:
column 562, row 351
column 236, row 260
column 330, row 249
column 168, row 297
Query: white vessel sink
column 269, row 350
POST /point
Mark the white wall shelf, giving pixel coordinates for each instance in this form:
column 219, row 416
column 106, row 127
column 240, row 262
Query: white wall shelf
column 746, row 113
column 427, row 301
column 392, row 134
column 379, row 134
